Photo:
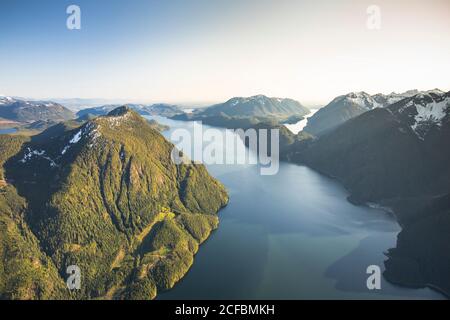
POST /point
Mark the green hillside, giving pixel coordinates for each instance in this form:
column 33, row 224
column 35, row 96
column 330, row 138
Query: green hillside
column 107, row 197
column 245, row 112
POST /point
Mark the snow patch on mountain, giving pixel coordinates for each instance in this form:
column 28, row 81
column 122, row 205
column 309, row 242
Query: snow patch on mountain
column 369, row 102
column 89, row 131
column 235, row 102
column 6, row 100
column 429, row 114
column 76, row 137
column 37, row 153
column 118, row 120
column 64, row 150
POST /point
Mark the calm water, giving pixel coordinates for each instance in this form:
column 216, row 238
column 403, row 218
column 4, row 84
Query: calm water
column 289, row 236
column 297, row 127
column 9, row 130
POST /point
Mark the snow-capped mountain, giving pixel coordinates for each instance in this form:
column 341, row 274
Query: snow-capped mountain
column 160, row 109
column 388, row 99
column 398, row 151
column 6, row 100
column 346, row 107
column 16, row 109
column 424, row 112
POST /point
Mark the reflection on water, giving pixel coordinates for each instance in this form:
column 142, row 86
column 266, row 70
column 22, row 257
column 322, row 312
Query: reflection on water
column 292, row 235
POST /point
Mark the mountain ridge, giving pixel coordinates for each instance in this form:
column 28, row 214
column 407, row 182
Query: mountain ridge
column 139, row 229
column 256, row 106
column 160, row 109
column 348, row 106
column 27, row 111
column 396, row 157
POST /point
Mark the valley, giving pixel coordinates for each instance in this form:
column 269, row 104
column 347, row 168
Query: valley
column 148, row 235
column 224, row 150
column 293, row 235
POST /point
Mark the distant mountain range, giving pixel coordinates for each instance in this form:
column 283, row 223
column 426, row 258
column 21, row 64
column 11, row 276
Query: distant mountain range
column 34, row 116
column 103, row 195
column 390, row 151
column 161, row 109
column 24, row 111
column 77, row 104
column 348, row 106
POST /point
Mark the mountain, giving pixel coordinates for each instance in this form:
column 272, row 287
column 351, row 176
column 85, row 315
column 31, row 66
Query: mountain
column 387, row 152
column 29, row 111
column 348, row 106
column 254, row 110
column 257, row 106
column 134, row 235
column 426, row 113
column 397, row 157
column 386, row 100
column 105, row 109
column 421, row 257
column 77, row 104
column 161, row 109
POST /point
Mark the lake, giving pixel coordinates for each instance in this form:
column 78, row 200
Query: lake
column 8, row 130
column 292, row 235
column 297, row 127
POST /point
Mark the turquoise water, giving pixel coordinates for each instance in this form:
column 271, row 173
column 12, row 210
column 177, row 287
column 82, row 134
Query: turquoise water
column 292, row 235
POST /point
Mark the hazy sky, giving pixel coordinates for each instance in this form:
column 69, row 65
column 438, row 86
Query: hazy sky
column 211, row 50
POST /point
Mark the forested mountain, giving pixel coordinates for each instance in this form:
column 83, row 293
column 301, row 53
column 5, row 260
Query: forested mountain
column 238, row 112
column 257, row 106
column 104, row 196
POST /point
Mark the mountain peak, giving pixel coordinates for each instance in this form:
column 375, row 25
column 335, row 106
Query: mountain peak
column 424, row 111
column 113, row 183
column 435, row 91
column 358, row 93
column 259, row 96
column 120, row 111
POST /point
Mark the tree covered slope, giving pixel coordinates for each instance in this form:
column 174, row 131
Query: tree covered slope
column 107, row 197
column 240, row 112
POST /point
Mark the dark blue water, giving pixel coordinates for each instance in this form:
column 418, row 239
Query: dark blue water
column 292, row 235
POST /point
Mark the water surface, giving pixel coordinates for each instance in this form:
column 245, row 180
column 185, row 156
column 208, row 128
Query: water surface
column 297, row 127
column 8, row 130
column 292, row 235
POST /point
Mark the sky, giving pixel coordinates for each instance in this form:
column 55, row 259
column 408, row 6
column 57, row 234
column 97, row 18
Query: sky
column 199, row 51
